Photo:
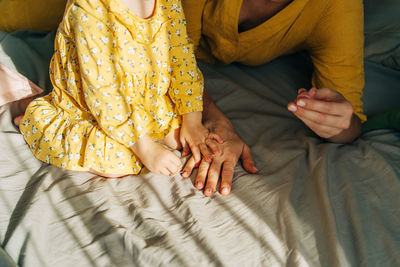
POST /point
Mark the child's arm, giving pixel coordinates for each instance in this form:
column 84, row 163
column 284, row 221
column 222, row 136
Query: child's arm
column 186, row 88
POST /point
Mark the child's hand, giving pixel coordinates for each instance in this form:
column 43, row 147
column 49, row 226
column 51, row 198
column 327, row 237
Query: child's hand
column 193, row 137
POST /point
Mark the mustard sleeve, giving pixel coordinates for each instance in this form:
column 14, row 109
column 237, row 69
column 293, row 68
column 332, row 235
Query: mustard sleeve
column 336, row 49
column 101, row 78
column 193, row 10
column 187, row 85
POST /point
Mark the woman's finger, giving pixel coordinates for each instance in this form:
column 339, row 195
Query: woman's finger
column 212, row 178
column 333, row 108
column 326, row 119
column 202, row 175
column 188, row 169
column 186, row 150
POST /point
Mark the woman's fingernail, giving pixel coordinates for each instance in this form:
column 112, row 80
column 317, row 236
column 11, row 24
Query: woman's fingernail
column 199, row 185
column 292, row 108
column 301, row 103
column 208, row 191
column 225, row 191
column 184, row 174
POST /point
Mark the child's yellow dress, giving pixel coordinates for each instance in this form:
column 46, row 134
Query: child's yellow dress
column 116, row 77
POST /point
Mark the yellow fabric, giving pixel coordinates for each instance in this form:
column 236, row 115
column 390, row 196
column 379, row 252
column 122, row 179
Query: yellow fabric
column 116, row 77
column 330, row 30
column 39, row 15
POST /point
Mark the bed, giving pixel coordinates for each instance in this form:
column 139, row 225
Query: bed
column 312, row 204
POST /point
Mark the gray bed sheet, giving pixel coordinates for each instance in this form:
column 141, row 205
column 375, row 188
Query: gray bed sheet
column 312, row 204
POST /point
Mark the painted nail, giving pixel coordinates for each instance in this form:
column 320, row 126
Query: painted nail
column 225, row 190
column 292, row 108
column 301, row 103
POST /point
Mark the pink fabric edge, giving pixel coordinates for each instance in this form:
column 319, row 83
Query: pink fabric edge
column 14, row 86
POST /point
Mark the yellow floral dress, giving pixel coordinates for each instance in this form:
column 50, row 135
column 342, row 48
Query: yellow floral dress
column 116, row 77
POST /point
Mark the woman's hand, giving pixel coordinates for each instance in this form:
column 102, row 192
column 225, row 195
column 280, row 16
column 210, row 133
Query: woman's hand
column 327, row 113
column 223, row 163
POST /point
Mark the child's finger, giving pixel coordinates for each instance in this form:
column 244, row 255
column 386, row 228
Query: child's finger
column 188, row 169
column 186, row 150
column 205, row 152
column 215, row 137
column 213, row 145
column 196, row 153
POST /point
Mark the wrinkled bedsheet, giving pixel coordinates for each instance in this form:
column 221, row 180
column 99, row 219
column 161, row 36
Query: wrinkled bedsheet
column 312, row 204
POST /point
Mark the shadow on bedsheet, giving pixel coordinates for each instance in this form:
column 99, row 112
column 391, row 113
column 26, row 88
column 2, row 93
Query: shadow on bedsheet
column 321, row 196
column 313, row 203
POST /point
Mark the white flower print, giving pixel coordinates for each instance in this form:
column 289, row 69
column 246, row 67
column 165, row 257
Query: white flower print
column 85, row 58
column 99, row 9
column 84, row 18
column 105, row 39
column 75, row 138
column 72, row 81
column 131, row 50
column 99, row 153
column 118, row 117
column 100, row 78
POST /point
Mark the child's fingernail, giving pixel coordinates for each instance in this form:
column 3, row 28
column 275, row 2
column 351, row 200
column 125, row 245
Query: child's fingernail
column 292, row 108
column 301, row 103
column 225, row 191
